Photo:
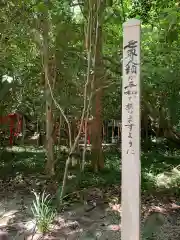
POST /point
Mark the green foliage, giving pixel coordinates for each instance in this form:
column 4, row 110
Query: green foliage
column 21, row 58
column 21, row 49
column 21, row 160
column 42, row 211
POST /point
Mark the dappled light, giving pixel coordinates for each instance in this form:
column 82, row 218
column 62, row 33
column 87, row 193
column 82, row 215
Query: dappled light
column 89, row 120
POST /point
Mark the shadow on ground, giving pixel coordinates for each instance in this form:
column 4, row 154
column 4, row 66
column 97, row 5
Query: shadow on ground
column 159, row 169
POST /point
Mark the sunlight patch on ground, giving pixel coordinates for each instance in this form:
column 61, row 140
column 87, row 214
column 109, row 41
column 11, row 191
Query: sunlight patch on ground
column 167, row 179
column 24, row 149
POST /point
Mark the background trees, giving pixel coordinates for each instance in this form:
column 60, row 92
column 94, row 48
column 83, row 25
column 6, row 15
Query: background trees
column 45, row 45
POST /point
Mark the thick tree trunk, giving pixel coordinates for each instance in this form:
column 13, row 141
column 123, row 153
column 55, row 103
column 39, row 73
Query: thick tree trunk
column 97, row 154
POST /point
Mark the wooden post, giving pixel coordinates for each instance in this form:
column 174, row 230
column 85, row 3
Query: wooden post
column 131, row 169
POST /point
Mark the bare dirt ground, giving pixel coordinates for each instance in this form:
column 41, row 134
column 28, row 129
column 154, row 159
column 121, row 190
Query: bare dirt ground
column 76, row 222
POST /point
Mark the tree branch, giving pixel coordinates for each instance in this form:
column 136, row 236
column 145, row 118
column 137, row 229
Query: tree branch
column 62, row 112
column 89, row 32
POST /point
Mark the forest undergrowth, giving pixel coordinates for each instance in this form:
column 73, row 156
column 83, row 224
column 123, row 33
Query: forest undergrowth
column 21, row 170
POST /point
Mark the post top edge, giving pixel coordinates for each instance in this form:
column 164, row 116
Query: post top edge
column 132, row 22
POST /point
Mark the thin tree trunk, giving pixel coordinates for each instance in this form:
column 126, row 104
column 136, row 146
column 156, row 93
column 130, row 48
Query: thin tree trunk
column 60, row 123
column 49, row 114
column 107, row 133
column 85, row 107
column 23, row 130
column 85, row 145
column 86, row 133
column 103, row 138
column 89, row 41
column 119, row 133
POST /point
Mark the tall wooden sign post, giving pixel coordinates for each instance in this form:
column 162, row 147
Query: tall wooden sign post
column 131, row 168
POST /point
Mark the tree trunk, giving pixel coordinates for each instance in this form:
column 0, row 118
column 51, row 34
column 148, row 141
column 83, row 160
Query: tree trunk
column 49, row 140
column 49, row 115
column 97, row 154
column 59, row 137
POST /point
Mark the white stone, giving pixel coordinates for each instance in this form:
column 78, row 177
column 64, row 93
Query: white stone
column 30, row 225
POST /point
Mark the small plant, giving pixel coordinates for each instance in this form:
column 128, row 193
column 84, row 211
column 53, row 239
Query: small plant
column 43, row 211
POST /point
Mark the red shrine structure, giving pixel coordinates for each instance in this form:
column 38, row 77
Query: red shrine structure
column 14, row 121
